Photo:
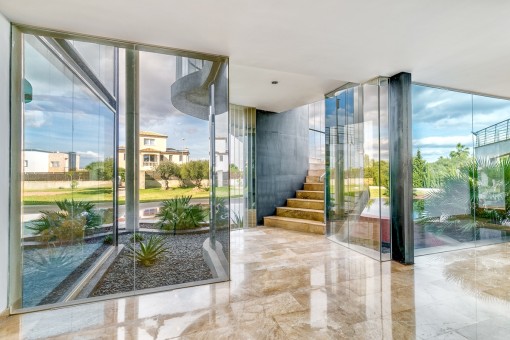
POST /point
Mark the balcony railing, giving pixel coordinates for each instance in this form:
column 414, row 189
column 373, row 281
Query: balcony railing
column 150, row 164
column 493, row 134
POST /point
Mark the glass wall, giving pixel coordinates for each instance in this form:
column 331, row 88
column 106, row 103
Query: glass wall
column 357, row 163
column 460, row 168
column 242, row 167
column 316, row 134
column 170, row 162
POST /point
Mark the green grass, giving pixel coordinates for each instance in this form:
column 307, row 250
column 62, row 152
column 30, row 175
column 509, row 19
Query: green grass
column 98, row 195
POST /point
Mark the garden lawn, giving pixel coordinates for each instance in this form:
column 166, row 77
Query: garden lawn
column 97, row 195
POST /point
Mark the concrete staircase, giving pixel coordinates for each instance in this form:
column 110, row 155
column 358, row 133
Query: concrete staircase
column 305, row 212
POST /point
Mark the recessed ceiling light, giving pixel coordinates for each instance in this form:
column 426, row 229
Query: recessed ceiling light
column 274, row 82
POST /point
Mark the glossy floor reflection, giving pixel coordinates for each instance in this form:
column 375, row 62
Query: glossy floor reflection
column 288, row 285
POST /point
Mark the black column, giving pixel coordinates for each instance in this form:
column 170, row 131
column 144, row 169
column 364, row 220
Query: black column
column 401, row 168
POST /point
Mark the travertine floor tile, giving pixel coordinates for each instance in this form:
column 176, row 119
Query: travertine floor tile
column 290, row 285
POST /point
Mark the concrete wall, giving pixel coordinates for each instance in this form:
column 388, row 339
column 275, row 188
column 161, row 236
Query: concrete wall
column 282, row 157
column 44, row 185
column 5, row 38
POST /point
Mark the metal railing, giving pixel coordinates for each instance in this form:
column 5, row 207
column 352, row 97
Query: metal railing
column 493, row 134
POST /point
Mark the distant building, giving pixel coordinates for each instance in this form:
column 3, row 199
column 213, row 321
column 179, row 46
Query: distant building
column 153, row 150
column 50, row 161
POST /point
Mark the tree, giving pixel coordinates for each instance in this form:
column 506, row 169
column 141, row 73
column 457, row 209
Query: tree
column 234, row 171
column 419, row 171
column 103, row 170
column 166, row 170
column 195, row 171
column 461, row 152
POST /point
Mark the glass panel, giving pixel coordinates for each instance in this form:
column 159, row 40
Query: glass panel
column 242, row 167
column 67, row 179
column 357, row 160
column 70, row 248
column 442, row 170
column 491, row 126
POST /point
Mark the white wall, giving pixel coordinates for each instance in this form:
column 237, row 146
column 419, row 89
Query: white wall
column 38, row 161
column 5, row 38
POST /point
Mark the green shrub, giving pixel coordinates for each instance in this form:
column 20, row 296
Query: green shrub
column 179, row 213
column 136, row 238
column 108, row 239
column 148, row 252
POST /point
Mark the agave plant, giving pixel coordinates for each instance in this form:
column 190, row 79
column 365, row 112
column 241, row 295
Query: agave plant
column 179, row 213
column 237, row 220
column 148, row 252
column 50, row 259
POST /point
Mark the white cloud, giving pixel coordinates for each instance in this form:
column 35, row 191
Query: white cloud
column 90, row 154
column 34, row 118
column 443, row 141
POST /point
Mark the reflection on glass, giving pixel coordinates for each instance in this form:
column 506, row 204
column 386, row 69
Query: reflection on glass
column 358, row 169
column 67, row 177
column 459, row 165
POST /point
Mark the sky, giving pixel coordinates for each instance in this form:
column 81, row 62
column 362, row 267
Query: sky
column 443, row 118
column 65, row 116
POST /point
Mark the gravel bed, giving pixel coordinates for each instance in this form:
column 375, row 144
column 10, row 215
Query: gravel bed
column 183, row 263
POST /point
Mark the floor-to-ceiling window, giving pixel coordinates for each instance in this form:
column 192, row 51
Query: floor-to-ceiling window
column 461, row 172
column 125, row 168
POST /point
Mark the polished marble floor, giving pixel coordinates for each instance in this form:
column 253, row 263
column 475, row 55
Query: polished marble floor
column 290, row 285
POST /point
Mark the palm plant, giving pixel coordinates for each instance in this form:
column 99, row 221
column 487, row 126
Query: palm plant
column 148, row 252
column 179, row 213
column 67, row 224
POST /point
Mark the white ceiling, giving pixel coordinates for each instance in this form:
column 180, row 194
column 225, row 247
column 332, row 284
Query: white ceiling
column 311, row 47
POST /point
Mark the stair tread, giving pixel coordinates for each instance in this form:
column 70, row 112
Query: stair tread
column 302, row 209
column 304, row 200
column 297, row 220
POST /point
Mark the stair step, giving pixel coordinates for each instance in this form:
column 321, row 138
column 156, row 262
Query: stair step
column 304, row 203
column 312, row 179
column 309, row 194
column 296, row 224
column 314, row 186
column 316, row 166
column 305, row 214
column 315, row 172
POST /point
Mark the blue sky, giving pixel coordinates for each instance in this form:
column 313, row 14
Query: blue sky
column 65, row 116
column 443, row 118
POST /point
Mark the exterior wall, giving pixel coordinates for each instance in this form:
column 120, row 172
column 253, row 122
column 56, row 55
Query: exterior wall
column 62, row 159
column 159, row 143
column 5, row 40
column 282, row 157
column 176, row 158
column 36, row 161
column 41, row 161
column 122, row 159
